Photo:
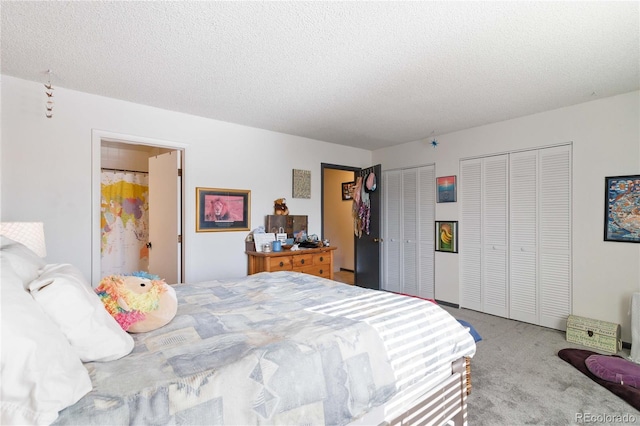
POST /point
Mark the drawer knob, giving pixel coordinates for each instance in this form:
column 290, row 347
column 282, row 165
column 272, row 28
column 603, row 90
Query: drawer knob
column 302, row 261
column 281, row 264
column 321, row 259
column 321, row 271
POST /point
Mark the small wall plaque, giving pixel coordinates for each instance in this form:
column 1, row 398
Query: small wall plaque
column 301, row 183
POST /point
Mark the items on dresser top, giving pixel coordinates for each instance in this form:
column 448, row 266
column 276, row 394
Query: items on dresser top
column 289, row 224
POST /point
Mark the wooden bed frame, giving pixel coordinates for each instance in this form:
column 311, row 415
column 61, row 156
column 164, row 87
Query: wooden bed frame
column 446, row 403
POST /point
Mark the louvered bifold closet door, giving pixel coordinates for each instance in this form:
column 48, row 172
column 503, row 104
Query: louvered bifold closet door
column 555, row 236
column 470, row 232
column 495, row 205
column 523, row 222
column 426, row 230
column 410, row 231
column 392, row 231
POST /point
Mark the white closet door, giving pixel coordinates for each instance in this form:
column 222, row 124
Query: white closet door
column 392, row 238
column 426, row 230
column 523, row 281
column 410, row 231
column 555, row 236
column 470, row 233
column 495, row 204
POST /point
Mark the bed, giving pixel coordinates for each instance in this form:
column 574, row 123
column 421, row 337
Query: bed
column 285, row 348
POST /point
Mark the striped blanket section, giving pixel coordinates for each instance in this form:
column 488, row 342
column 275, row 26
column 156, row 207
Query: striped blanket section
column 420, row 337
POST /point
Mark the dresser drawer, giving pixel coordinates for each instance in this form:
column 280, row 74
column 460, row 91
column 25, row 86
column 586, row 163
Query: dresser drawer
column 302, row 260
column 322, row 258
column 280, row 263
column 321, row 270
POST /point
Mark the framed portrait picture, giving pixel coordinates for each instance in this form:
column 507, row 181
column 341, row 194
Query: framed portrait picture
column 347, row 190
column 446, row 188
column 447, row 236
column 622, row 209
column 222, row 209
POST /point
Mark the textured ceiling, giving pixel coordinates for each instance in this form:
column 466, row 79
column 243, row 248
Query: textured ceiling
column 365, row 74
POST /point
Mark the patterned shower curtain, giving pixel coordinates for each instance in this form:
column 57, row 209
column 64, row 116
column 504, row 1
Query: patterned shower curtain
column 124, row 222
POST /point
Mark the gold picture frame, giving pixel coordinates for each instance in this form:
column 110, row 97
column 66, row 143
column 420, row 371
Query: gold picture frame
column 219, row 209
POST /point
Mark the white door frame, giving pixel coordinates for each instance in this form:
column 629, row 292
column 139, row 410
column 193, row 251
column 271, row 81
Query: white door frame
column 97, row 137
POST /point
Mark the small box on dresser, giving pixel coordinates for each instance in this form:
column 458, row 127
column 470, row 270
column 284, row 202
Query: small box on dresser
column 290, row 224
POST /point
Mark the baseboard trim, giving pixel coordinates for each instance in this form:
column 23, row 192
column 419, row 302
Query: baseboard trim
column 449, row 304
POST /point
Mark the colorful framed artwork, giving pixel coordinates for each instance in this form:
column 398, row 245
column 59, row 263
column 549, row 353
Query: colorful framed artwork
column 447, row 236
column 301, row 183
column 446, row 186
column 347, row 190
column 622, row 209
column 222, row 209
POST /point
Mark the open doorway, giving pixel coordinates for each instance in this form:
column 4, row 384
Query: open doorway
column 365, row 249
column 137, row 195
column 337, row 219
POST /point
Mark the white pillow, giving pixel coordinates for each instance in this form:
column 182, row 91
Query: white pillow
column 70, row 302
column 25, row 263
column 41, row 373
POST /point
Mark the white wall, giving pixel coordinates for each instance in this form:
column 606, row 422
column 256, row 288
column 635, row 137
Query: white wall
column 606, row 142
column 128, row 157
column 46, row 176
column 46, row 170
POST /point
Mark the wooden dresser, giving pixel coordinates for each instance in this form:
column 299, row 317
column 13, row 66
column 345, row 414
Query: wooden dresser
column 316, row 261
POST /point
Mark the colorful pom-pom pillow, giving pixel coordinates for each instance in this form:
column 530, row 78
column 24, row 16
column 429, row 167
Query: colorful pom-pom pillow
column 139, row 302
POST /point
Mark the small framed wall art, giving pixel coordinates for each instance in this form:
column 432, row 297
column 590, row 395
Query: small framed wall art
column 447, row 236
column 301, row 183
column 222, row 209
column 446, row 186
column 347, row 190
column 622, row 209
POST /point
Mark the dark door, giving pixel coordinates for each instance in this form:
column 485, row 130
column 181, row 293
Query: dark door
column 368, row 246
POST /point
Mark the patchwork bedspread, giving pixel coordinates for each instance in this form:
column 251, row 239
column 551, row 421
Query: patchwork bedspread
column 273, row 348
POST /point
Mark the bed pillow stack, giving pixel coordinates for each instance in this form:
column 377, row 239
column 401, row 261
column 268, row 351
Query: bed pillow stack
column 51, row 322
column 71, row 304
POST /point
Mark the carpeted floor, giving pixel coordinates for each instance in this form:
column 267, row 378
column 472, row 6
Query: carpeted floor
column 519, row 379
